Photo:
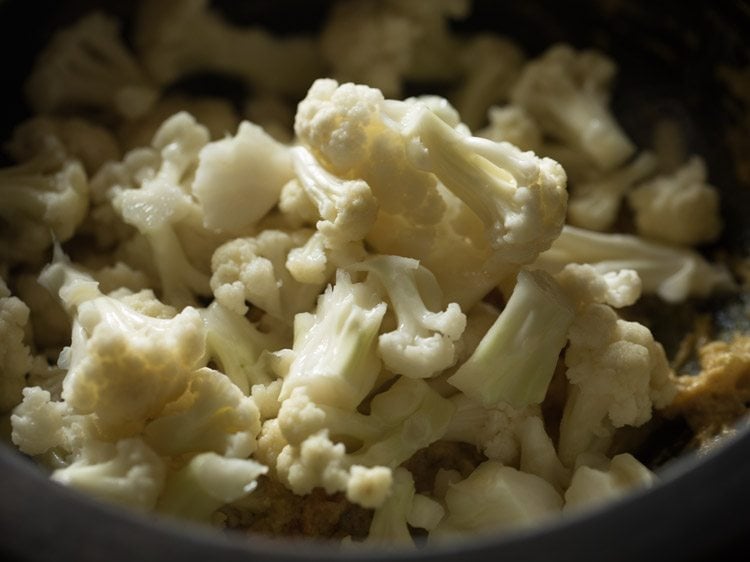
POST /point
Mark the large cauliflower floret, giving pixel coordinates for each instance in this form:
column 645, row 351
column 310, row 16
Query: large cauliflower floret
column 122, row 365
column 15, row 355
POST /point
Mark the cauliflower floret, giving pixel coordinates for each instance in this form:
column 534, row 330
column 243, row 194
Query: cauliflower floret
column 38, row 203
column 88, row 66
column 591, row 485
column 128, row 473
column 254, row 269
column 207, row 482
column 496, row 497
column 424, row 343
column 681, row 208
column 239, row 179
column 516, row 358
column 389, row 524
column 15, row 355
column 595, row 204
column 672, row 273
column 38, row 422
column 567, row 93
column 334, row 355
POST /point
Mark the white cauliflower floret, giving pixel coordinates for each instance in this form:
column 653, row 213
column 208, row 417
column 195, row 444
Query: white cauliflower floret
column 239, row 179
column 177, row 38
column 494, row 431
column 38, row 203
column 595, row 204
column 71, row 137
column 254, row 270
column 516, row 358
column 389, row 524
column 334, row 355
column 128, row 473
column 87, row 66
column 123, row 366
column 207, row 482
column 161, row 202
column 672, row 273
column 680, row 208
column 38, row 422
column 617, row 372
column 584, row 284
column 567, row 93
column 593, row 485
column 15, row 355
column 496, row 497
column 424, row 342
column 212, row 415
column 512, row 123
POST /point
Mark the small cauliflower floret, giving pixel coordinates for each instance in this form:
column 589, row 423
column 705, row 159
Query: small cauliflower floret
column 15, row 355
column 128, row 473
column 496, row 497
column 347, row 207
column 515, row 360
column 177, row 38
column 212, row 415
column 491, row 65
column 254, row 269
column 595, row 204
column 538, row 454
column 319, row 462
column 158, row 206
column 519, row 197
column 207, row 482
column 38, row 422
column 672, row 273
column 334, row 355
column 389, row 526
column 513, row 124
column 37, row 204
column 567, row 93
column 584, row 284
column 239, row 179
column 123, row 366
column 591, row 486
column 680, row 208
column 87, row 66
column 70, row 137
column 237, row 346
column 317, row 259
column 617, row 373
column 385, row 43
column 424, row 342
column 494, row 431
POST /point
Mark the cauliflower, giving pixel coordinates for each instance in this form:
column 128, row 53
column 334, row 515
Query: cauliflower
column 253, row 269
column 15, row 355
column 389, row 524
column 672, row 273
column 595, row 204
column 567, row 94
column 128, row 473
column 593, row 485
column 118, row 352
column 513, row 124
column 681, row 208
column 424, row 342
column 617, row 373
column 239, row 179
column 516, row 358
column 38, row 203
column 87, row 66
column 497, row 497
column 207, row 482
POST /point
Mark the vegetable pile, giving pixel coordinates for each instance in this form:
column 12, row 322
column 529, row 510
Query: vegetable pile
column 359, row 316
